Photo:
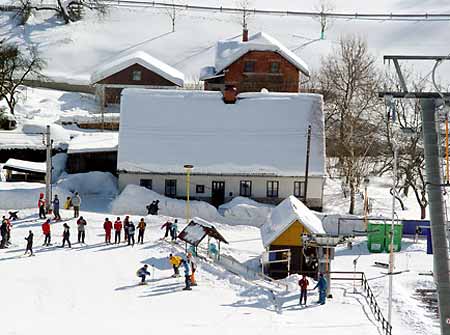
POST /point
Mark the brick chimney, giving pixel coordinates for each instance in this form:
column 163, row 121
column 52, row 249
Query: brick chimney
column 245, row 34
column 230, row 94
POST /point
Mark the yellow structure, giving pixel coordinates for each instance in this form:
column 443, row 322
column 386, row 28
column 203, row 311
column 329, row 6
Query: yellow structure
column 292, row 235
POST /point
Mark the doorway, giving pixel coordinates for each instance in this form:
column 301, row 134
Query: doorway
column 217, row 193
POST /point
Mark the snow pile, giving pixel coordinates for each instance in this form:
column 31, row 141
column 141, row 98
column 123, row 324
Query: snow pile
column 242, row 208
column 134, row 199
column 59, row 165
column 288, row 211
column 90, row 183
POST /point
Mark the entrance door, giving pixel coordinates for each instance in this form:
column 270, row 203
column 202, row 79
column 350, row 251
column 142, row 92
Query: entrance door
column 217, row 193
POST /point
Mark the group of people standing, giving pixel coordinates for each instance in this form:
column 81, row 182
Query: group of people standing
column 129, row 230
column 71, row 202
column 322, row 285
column 171, row 229
column 189, row 265
column 5, row 232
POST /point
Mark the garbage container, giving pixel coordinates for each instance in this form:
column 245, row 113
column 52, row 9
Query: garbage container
column 398, row 234
column 376, row 235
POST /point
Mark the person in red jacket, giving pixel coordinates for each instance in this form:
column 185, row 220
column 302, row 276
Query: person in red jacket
column 108, row 226
column 303, row 283
column 117, row 230
column 41, row 206
column 46, row 232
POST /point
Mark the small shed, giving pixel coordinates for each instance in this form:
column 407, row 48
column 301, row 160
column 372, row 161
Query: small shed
column 21, row 170
column 197, row 230
column 288, row 226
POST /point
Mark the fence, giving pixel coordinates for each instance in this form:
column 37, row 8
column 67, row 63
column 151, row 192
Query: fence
column 370, row 297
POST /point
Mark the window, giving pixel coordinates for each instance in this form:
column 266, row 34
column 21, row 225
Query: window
column 249, row 66
column 171, row 188
column 274, row 67
column 299, row 189
column 272, row 189
column 199, row 188
column 137, row 75
column 245, row 189
column 147, row 183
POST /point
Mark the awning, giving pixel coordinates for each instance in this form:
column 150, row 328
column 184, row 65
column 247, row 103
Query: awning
column 196, row 231
column 25, row 166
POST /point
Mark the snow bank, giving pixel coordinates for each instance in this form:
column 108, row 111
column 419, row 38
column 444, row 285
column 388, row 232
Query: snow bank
column 134, row 199
column 59, row 165
column 242, row 208
column 90, row 183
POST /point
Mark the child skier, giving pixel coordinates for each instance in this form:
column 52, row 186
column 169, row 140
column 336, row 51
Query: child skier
column 187, row 275
column 107, row 226
column 46, row 232
column 175, row 261
column 141, row 273
column 29, row 239
column 193, row 264
column 56, row 208
column 66, row 236
column 174, row 230
column 41, row 206
column 141, row 230
column 168, row 226
column 303, row 283
column 81, row 223
column 117, row 230
column 131, row 231
column 68, row 203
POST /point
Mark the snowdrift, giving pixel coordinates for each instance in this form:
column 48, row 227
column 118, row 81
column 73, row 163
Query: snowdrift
column 134, row 199
column 90, row 183
column 242, row 208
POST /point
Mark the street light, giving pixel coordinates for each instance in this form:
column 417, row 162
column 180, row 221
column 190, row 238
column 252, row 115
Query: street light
column 188, row 168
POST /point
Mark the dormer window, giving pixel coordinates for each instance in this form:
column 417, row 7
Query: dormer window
column 249, row 66
column 137, row 75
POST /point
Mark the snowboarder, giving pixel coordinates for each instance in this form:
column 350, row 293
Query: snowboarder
column 29, row 239
column 303, row 283
column 107, row 226
column 66, row 236
column 68, row 203
column 4, row 233
column 187, row 275
column 322, row 286
column 117, row 230
column 141, row 230
column 126, row 225
column 141, row 273
column 131, row 231
column 168, row 226
column 175, row 261
column 76, row 203
column 193, row 264
column 56, row 208
column 41, row 206
column 174, row 230
column 81, row 223
column 46, row 232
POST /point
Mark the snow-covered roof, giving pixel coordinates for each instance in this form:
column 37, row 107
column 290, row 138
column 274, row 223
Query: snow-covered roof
column 197, row 229
column 94, row 142
column 18, row 164
column 142, row 58
column 261, row 134
column 287, row 212
column 227, row 52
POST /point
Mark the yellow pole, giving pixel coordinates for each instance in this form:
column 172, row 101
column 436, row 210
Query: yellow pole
column 188, row 184
column 446, row 148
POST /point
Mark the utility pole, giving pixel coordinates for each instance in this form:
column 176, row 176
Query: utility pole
column 391, row 235
column 308, row 150
column 437, row 215
column 48, row 173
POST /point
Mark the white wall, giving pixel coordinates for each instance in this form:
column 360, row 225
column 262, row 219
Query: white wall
column 232, row 184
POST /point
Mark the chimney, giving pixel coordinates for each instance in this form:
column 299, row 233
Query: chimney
column 230, row 94
column 245, row 34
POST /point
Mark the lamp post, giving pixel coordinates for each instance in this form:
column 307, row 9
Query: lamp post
column 188, row 168
column 391, row 246
column 366, row 201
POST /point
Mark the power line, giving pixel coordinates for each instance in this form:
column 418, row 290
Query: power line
column 428, row 17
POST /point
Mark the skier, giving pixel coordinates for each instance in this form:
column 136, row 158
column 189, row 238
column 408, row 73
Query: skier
column 29, row 239
column 126, row 225
column 175, row 261
column 322, row 286
column 117, row 230
column 68, row 203
column 187, row 275
column 141, row 230
column 66, row 235
column 13, row 215
column 174, row 230
column 56, row 208
column 168, row 226
column 81, row 222
column 46, row 232
column 141, row 273
column 76, row 203
column 4, row 233
column 8, row 232
column 150, row 208
column 41, row 206
column 303, row 283
column 131, row 231
column 108, row 226
column 193, row 264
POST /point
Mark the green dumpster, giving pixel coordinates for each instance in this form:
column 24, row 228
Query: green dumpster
column 378, row 237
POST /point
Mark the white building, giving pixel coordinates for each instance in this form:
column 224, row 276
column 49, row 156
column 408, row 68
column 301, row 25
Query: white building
column 255, row 147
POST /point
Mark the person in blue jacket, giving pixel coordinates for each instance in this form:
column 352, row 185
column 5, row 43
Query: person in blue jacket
column 187, row 275
column 142, row 273
column 322, row 286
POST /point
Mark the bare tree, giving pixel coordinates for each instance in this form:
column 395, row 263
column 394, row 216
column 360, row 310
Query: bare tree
column 172, row 13
column 325, row 6
column 15, row 67
column 349, row 81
